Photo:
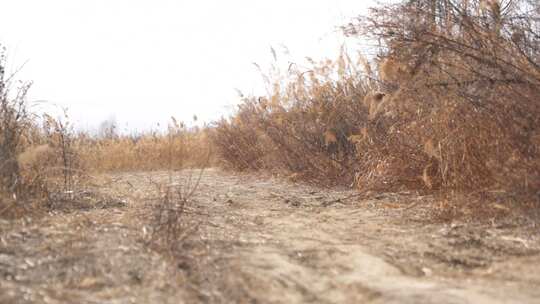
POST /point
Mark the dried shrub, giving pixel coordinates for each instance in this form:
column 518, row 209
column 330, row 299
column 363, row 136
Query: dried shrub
column 16, row 125
column 170, row 225
column 466, row 106
column 239, row 142
column 65, row 169
column 303, row 126
column 452, row 107
column 37, row 162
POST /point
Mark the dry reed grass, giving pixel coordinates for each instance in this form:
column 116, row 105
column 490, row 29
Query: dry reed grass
column 452, row 107
column 45, row 163
column 303, row 127
column 178, row 148
column 449, row 106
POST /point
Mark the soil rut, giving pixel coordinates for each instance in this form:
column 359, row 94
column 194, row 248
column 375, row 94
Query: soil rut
column 263, row 240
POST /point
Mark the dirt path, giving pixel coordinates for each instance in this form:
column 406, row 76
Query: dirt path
column 262, row 240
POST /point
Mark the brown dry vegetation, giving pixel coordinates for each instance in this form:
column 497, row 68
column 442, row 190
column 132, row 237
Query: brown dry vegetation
column 445, row 118
column 43, row 161
column 304, row 127
column 179, row 147
column 21, row 148
column 450, row 105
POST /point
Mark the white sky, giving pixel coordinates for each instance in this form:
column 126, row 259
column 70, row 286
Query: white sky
column 142, row 61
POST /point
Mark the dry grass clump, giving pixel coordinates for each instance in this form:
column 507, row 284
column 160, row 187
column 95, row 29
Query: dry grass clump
column 239, row 142
column 467, row 108
column 452, row 107
column 34, row 155
column 15, row 120
column 37, row 161
column 179, row 147
column 303, row 127
column 170, row 224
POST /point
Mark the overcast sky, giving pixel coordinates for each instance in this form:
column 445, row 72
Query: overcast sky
column 145, row 60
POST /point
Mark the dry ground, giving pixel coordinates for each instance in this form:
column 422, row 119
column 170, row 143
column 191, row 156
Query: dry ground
column 263, row 240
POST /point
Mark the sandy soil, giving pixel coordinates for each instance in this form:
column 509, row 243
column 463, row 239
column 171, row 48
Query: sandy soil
column 264, row 240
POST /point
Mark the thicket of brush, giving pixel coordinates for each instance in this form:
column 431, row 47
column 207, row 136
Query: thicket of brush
column 304, row 126
column 451, row 104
